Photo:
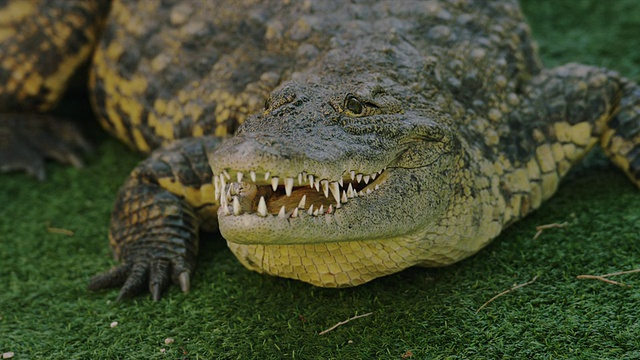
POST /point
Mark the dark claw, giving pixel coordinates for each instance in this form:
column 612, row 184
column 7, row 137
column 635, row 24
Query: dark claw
column 135, row 282
column 159, row 278
column 114, row 277
column 184, row 281
column 132, row 278
column 156, row 291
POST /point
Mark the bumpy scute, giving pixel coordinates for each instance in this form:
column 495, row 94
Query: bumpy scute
column 368, row 136
column 42, row 45
column 401, row 134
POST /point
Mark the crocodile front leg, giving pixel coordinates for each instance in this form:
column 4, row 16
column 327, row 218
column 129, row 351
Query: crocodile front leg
column 576, row 107
column 155, row 222
column 27, row 139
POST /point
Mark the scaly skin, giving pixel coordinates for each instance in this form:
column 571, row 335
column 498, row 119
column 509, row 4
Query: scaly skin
column 414, row 131
column 42, row 44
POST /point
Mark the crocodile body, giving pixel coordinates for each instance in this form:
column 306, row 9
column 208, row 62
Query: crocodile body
column 370, row 136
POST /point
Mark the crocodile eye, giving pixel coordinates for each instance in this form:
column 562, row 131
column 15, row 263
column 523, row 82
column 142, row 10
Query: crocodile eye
column 354, row 105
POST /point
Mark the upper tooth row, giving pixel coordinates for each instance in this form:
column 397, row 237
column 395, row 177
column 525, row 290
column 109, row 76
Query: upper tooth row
column 333, row 186
column 302, row 177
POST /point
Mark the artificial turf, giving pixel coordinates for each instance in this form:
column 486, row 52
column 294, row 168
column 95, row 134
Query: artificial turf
column 231, row 313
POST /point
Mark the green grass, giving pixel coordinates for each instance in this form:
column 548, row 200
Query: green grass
column 46, row 311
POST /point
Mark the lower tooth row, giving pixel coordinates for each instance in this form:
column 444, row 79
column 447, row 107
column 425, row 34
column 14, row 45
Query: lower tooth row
column 262, row 204
column 262, row 208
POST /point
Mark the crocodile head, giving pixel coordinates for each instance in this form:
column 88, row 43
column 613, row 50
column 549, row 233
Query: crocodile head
column 328, row 163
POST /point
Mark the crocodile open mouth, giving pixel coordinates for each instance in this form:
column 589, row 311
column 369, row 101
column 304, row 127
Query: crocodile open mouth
column 264, row 194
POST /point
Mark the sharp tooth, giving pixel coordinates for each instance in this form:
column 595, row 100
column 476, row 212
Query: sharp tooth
column 302, row 201
column 330, row 209
column 223, row 185
column 325, row 187
column 353, row 174
column 262, row 207
column 288, row 186
column 316, row 184
column 376, row 187
column 267, row 175
column 321, row 210
column 281, row 213
column 366, row 179
column 350, row 192
column 341, row 182
column 315, row 213
column 226, row 174
column 310, row 211
column 274, row 183
column 300, row 179
column 373, row 176
column 369, row 191
column 253, row 176
column 216, row 186
column 311, row 181
column 344, row 197
column 236, row 206
column 335, row 191
column 239, row 175
column 359, row 177
column 294, row 214
column 224, row 205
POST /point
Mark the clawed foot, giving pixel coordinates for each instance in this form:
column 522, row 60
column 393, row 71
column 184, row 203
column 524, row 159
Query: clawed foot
column 27, row 139
column 134, row 276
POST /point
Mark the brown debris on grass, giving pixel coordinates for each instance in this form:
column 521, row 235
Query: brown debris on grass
column 609, row 281
column 407, row 355
column 541, row 228
column 54, row 230
column 515, row 287
column 343, row 322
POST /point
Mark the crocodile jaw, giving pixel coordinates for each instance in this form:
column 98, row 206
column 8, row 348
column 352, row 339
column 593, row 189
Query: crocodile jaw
column 294, row 211
column 380, row 231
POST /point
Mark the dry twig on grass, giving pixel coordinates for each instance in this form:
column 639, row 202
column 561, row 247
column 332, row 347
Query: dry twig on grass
column 541, row 228
column 343, row 322
column 507, row 291
column 605, row 276
column 54, row 230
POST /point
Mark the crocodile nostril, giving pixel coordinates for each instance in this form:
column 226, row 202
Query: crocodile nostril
column 279, row 99
column 289, row 93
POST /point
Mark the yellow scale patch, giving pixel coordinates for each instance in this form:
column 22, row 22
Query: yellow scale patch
column 24, row 76
column 197, row 197
column 328, row 265
column 16, row 11
column 200, row 198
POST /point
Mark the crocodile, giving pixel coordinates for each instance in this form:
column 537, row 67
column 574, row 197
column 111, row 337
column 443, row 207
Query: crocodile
column 368, row 136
